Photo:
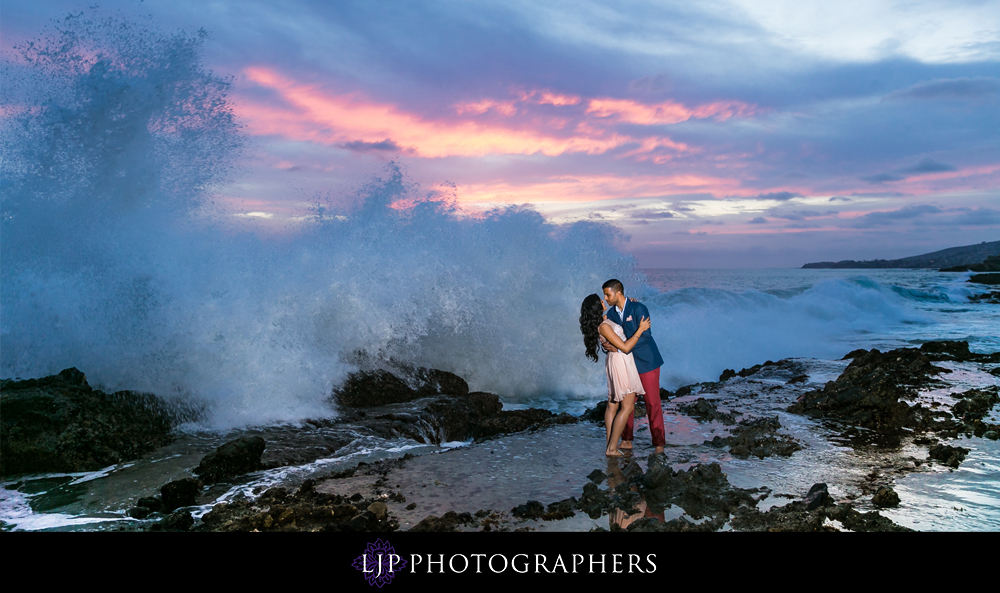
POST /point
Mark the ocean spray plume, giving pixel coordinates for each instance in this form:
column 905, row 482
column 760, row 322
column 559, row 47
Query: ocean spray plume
column 707, row 330
column 110, row 265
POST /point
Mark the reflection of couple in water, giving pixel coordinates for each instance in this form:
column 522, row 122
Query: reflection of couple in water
column 632, row 362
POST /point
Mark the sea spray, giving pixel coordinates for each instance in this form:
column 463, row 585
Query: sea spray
column 704, row 330
column 110, row 263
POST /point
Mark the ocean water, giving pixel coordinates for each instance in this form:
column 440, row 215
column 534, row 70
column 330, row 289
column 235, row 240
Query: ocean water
column 117, row 260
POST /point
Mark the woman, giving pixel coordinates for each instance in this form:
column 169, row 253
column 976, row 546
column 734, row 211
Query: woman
column 623, row 378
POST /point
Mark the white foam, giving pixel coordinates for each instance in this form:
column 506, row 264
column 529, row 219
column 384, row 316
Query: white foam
column 16, row 511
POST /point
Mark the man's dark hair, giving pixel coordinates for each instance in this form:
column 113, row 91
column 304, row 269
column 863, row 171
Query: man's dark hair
column 615, row 285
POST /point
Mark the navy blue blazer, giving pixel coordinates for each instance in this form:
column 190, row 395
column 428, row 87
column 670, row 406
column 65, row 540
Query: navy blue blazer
column 646, row 354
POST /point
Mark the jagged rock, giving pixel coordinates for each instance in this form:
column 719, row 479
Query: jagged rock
column 975, row 404
column 868, row 392
column 811, row 514
column 379, row 509
column 597, row 476
column 594, row 500
column 678, row 525
column 948, row 455
column 529, row 510
column 179, row 521
column 379, row 387
column 702, row 490
column 854, row 354
column 447, row 522
column 817, row 497
column 306, row 510
column 179, row 493
column 706, row 411
column 60, row 424
column 758, row 437
column 885, row 497
column 232, row 459
column 506, row 422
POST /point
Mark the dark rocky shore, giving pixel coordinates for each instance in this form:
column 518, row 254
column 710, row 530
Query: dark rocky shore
column 61, row 424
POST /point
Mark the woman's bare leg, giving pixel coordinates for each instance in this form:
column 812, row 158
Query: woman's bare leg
column 618, row 426
column 609, row 418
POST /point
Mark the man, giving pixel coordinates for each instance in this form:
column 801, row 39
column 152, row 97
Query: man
column 627, row 313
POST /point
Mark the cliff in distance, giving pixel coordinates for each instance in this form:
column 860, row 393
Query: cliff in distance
column 946, row 258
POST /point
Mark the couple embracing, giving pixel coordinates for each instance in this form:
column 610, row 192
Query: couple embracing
column 621, row 327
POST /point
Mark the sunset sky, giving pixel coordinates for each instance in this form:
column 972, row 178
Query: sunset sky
column 724, row 133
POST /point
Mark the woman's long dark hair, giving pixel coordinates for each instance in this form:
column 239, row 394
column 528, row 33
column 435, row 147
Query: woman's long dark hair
column 591, row 316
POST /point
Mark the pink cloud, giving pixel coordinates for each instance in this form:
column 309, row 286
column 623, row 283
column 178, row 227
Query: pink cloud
column 587, row 188
column 667, row 112
column 567, row 124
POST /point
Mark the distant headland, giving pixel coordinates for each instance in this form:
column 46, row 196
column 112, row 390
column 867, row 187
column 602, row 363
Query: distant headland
column 946, row 258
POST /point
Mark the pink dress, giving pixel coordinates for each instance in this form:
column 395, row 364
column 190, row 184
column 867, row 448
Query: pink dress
column 623, row 378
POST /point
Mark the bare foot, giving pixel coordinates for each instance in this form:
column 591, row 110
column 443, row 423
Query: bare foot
column 615, row 453
column 659, row 449
column 625, row 445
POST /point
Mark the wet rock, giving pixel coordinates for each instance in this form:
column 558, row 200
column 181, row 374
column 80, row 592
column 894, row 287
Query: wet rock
column 758, row 437
column 529, row 510
column 948, row 455
column 447, row 522
column 727, row 375
column 854, row 354
column 180, row 493
column 506, row 422
column 594, row 501
column 813, row 513
column 597, row 476
column 986, row 297
column 992, row 435
column 755, row 369
column 476, row 415
column 685, row 390
column 595, row 414
column 868, row 392
column 678, row 525
column 379, row 387
column 139, row 512
column 798, row 379
column 446, row 418
column 145, row 506
column 885, row 497
column 179, row 521
column 955, row 350
column 60, row 424
column 305, row 510
column 152, row 503
column 632, row 470
column 702, row 490
column 379, row 509
column 706, row 411
column 298, row 445
column 975, row 404
column 562, row 509
column 817, row 497
column 232, row 459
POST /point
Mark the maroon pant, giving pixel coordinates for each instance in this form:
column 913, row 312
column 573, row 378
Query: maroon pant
column 654, row 410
